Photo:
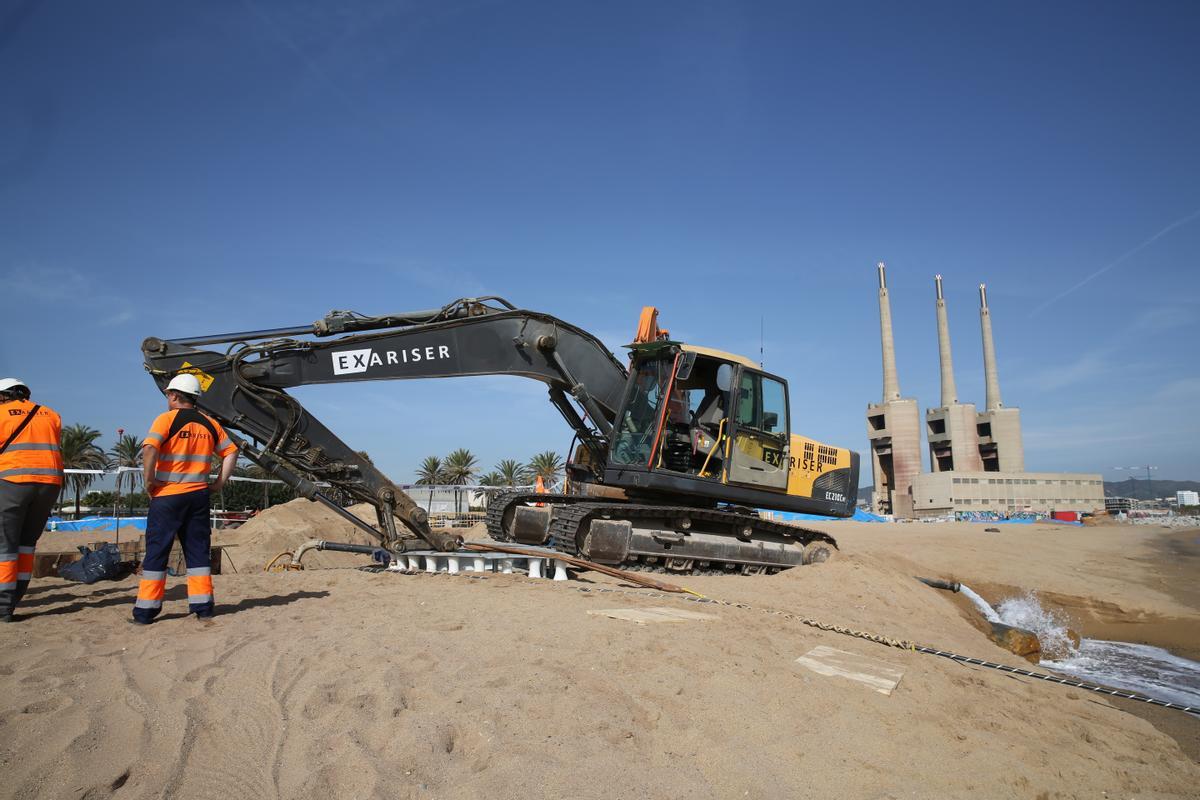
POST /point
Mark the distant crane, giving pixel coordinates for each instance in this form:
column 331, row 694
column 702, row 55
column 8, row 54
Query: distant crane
column 1149, row 486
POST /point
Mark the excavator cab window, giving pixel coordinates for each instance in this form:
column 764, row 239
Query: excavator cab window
column 639, row 425
column 677, row 421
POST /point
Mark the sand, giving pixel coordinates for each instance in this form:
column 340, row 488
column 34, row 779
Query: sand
column 339, row 682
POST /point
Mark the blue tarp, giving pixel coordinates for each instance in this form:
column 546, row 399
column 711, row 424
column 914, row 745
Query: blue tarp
column 95, row 524
column 792, row 516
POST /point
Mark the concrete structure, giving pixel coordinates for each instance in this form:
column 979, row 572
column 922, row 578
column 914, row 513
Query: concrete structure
column 941, row 493
column 1119, row 505
column 1001, row 448
column 893, row 427
column 952, row 428
column 1186, row 498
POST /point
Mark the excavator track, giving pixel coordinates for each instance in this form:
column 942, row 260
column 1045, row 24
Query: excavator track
column 500, row 506
column 659, row 533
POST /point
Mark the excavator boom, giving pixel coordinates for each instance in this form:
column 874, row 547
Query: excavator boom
column 244, row 387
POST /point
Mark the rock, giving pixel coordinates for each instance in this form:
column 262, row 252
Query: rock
column 1017, row 640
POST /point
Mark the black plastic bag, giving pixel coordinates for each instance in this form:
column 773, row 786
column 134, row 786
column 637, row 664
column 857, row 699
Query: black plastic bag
column 95, row 565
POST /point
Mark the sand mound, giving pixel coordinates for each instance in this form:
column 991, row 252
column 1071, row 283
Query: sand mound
column 286, row 527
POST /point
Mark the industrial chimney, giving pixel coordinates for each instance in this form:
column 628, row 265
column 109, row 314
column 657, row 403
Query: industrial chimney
column 950, row 429
column 893, row 426
column 1001, row 448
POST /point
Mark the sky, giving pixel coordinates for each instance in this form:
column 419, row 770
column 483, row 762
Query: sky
column 174, row 170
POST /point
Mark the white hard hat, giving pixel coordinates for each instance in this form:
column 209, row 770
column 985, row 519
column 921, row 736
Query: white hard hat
column 185, row 383
column 8, row 384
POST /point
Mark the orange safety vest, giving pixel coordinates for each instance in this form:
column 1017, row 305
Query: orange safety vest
column 33, row 456
column 185, row 450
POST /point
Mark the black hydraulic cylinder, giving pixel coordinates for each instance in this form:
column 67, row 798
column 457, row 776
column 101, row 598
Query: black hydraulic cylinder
column 341, row 547
column 245, row 336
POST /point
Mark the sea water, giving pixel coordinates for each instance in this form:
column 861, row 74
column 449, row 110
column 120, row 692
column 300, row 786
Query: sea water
column 1141, row 668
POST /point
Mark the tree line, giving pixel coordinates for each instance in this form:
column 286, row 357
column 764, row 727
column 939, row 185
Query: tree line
column 460, row 467
column 80, row 449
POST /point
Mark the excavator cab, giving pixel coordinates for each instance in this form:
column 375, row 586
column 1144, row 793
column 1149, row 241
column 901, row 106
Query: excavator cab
column 698, row 414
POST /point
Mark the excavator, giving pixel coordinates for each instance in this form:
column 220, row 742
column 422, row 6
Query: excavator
column 672, row 459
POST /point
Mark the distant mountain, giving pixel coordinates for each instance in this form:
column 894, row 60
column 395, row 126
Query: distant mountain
column 1139, row 490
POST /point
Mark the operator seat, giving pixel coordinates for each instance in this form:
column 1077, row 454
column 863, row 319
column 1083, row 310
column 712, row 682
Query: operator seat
column 707, row 420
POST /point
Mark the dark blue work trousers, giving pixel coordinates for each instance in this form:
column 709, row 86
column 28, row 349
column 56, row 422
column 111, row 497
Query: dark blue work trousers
column 187, row 517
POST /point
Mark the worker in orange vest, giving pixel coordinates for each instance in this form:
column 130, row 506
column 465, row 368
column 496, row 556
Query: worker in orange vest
column 175, row 463
column 31, row 475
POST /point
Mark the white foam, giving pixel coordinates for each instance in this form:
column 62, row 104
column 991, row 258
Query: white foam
column 1136, row 667
column 1050, row 626
column 1140, row 668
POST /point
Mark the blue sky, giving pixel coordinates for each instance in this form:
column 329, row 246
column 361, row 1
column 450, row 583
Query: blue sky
column 182, row 169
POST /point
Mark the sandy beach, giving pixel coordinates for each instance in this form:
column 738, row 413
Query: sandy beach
column 341, row 682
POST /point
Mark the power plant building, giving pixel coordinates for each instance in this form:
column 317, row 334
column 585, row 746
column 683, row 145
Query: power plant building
column 977, row 459
column 942, row 493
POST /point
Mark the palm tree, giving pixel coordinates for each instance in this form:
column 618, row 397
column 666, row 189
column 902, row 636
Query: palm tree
column 460, row 467
column 511, row 472
column 127, row 452
column 80, row 451
column 547, row 466
column 492, row 479
column 430, row 473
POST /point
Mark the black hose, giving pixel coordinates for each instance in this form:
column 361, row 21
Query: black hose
column 950, row 586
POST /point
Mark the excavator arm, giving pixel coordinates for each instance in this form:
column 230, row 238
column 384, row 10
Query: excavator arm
column 245, row 388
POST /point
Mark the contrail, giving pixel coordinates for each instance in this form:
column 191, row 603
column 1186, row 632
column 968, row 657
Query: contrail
column 1176, row 224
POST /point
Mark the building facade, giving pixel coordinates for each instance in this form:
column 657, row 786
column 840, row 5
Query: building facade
column 937, row 494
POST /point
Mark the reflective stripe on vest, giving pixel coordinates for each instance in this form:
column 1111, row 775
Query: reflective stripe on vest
column 180, row 459
column 181, row 477
column 9, row 473
column 14, row 447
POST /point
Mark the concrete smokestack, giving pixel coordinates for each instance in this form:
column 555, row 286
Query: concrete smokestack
column 891, row 382
column 949, row 392
column 990, row 371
